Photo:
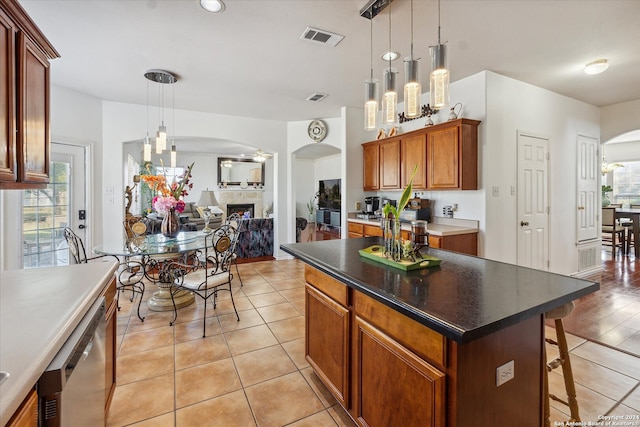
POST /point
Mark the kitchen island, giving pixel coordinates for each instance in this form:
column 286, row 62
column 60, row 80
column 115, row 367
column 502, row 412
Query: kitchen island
column 424, row 347
column 39, row 309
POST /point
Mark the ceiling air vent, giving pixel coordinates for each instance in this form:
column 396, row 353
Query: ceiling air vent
column 321, row 36
column 317, row 97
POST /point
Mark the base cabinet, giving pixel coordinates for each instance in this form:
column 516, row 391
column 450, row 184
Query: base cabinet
column 387, row 369
column 387, row 373
column 27, row 413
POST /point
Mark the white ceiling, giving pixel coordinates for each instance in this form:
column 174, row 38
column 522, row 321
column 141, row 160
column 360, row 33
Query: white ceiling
column 249, row 60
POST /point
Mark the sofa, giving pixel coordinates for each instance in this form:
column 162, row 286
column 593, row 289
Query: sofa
column 190, row 219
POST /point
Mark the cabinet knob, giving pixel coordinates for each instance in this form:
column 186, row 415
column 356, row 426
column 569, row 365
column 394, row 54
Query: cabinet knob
column 580, row 208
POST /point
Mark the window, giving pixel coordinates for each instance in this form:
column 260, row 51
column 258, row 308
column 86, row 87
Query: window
column 626, row 184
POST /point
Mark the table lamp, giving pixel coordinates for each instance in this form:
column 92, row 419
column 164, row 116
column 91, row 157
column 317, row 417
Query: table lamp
column 207, row 198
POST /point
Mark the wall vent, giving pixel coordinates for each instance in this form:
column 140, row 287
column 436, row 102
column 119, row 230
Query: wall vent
column 316, row 97
column 321, row 36
column 588, row 258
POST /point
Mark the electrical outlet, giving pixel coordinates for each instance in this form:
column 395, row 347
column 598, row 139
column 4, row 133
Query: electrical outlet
column 455, row 206
column 108, row 191
column 495, row 191
column 505, row 373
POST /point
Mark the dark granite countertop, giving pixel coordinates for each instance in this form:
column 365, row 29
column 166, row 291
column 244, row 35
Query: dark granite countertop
column 464, row 298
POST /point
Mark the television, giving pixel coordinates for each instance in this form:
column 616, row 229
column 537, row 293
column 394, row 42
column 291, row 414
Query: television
column 329, row 194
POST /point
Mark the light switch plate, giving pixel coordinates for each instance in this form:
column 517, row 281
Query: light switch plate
column 505, row 373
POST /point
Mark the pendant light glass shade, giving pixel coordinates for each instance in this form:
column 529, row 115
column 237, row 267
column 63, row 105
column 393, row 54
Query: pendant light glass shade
column 389, row 96
column 412, row 89
column 371, row 104
column 161, row 139
column 146, row 154
column 439, row 81
column 174, row 155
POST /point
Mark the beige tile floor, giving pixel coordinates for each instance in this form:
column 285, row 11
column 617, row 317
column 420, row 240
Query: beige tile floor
column 253, row 372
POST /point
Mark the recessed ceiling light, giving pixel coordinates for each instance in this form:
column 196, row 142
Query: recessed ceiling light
column 212, row 5
column 390, row 56
column 596, row 67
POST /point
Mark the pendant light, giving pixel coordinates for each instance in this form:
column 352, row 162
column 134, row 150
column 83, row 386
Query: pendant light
column 161, row 134
column 146, row 152
column 174, row 153
column 439, row 81
column 163, row 77
column 371, row 93
column 412, row 86
column 390, row 96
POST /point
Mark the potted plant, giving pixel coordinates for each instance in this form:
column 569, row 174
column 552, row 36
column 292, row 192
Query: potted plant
column 605, row 199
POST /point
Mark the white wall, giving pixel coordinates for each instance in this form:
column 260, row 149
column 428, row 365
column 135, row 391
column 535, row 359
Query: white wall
column 514, row 106
column 127, row 122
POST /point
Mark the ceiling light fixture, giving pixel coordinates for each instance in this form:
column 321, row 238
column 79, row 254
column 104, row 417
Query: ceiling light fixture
column 146, row 153
column 412, row 86
column 596, row 67
column 163, row 77
column 439, row 80
column 371, row 93
column 214, row 6
column 390, row 56
column 390, row 95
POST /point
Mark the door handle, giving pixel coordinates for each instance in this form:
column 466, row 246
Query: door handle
column 524, row 223
column 580, row 208
column 82, row 226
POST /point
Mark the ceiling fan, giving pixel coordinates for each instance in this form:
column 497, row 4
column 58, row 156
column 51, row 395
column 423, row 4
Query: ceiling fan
column 261, row 156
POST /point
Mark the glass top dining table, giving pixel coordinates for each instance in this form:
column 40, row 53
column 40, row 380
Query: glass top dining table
column 157, row 254
column 153, row 244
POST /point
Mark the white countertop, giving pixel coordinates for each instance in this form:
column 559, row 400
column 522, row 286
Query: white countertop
column 39, row 308
column 440, row 226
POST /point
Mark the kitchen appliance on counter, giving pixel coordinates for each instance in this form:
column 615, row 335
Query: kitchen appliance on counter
column 417, row 209
column 71, row 391
column 371, row 204
column 419, row 233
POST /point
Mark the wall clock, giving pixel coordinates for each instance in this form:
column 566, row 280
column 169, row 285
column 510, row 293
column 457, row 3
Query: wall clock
column 317, row 130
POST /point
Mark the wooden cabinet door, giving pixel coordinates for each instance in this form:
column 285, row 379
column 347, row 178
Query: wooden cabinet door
column 388, row 375
column 8, row 172
column 435, row 241
column 414, row 152
column 371, row 166
column 32, row 113
column 443, row 158
column 27, row 413
column 327, row 342
column 390, row 165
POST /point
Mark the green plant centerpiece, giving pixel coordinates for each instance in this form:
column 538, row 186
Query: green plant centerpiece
column 394, row 247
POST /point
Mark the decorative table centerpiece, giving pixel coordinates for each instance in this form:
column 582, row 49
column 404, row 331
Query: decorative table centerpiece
column 168, row 200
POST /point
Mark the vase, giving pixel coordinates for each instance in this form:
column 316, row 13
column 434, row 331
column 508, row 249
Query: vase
column 605, row 200
column 392, row 237
column 170, row 226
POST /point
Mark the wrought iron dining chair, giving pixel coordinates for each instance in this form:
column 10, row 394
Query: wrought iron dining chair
column 210, row 274
column 235, row 221
column 130, row 273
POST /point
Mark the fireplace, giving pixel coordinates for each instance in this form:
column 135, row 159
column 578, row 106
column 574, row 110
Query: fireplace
column 240, row 209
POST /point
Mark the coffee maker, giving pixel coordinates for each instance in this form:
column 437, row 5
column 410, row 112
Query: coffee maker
column 371, row 204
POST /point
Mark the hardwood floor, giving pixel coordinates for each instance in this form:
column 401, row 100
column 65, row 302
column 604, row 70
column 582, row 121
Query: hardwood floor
column 611, row 316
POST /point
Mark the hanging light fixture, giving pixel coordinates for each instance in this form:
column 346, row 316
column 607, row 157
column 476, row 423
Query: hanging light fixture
column 371, row 93
column 390, row 96
column 163, row 77
column 439, row 81
column 412, row 86
column 174, row 153
column 146, row 152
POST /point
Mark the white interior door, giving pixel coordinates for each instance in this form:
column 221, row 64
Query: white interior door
column 588, row 166
column 533, row 202
column 46, row 212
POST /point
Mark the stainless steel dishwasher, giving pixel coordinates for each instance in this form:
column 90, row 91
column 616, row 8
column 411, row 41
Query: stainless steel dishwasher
column 72, row 389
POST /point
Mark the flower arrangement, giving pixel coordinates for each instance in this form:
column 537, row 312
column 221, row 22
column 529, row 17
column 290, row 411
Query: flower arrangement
column 168, row 195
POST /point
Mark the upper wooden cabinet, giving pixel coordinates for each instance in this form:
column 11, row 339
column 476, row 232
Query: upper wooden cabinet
column 452, row 155
column 24, row 99
column 446, row 155
column 371, row 166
